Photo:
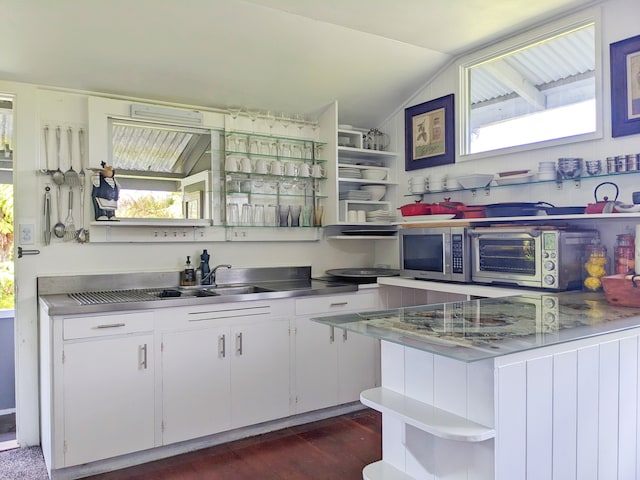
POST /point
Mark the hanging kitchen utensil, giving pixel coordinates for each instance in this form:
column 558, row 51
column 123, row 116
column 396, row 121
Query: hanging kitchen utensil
column 58, row 176
column 604, row 205
column 82, row 234
column 58, row 228
column 47, row 170
column 71, row 176
column 81, row 175
column 47, row 215
column 69, row 226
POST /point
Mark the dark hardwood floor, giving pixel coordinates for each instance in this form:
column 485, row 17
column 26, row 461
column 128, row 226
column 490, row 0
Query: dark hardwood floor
column 333, row 449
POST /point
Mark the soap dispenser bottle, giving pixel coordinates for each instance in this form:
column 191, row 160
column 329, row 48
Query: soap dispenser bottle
column 189, row 274
column 204, row 268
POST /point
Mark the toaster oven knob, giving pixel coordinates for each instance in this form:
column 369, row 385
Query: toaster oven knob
column 549, row 266
column 549, row 279
column 549, row 302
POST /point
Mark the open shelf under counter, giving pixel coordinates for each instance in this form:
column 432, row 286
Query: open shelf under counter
column 383, row 471
column 426, row 417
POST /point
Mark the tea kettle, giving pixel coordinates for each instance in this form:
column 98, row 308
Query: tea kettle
column 376, row 140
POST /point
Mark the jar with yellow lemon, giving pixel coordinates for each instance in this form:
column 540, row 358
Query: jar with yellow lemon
column 595, row 266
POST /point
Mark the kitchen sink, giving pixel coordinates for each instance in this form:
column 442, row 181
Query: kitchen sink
column 227, row 290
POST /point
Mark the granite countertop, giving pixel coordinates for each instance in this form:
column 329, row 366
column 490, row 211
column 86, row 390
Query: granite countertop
column 490, row 327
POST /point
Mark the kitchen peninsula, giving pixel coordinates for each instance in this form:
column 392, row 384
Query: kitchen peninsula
column 527, row 386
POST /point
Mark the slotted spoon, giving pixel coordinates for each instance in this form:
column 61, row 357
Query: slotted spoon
column 71, row 176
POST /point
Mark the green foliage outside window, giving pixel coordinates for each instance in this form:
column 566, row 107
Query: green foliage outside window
column 7, row 295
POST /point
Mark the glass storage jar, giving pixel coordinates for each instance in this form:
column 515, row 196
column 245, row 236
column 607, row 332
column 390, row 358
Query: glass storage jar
column 624, row 254
column 594, row 261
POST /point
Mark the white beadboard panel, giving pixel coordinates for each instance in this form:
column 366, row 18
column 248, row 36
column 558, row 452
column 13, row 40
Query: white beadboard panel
column 511, row 425
column 480, row 392
column 392, row 366
column 422, row 462
column 608, row 411
column 628, row 408
column 587, row 413
column 539, row 417
column 482, row 461
column 418, row 373
column 450, row 385
column 393, row 440
column 564, row 414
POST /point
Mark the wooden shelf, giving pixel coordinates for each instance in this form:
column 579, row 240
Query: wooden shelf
column 383, row 471
column 426, row 417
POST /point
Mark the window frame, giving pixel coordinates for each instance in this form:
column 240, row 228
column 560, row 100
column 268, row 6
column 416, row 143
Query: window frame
column 504, row 47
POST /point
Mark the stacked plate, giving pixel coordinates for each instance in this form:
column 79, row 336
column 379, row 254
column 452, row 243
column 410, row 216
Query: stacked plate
column 361, row 195
column 346, row 172
column 380, row 216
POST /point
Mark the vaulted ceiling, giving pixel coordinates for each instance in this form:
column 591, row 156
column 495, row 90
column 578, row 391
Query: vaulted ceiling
column 289, row 55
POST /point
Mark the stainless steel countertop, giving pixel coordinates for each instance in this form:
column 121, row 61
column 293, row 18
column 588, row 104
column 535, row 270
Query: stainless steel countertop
column 63, row 304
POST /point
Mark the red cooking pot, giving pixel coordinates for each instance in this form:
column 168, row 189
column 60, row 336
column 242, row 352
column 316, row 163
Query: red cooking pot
column 447, row 207
column 472, row 211
column 416, row 208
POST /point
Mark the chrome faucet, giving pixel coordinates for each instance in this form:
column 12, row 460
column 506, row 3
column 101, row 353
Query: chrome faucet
column 212, row 275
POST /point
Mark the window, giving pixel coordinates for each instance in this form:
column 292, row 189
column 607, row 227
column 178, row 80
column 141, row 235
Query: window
column 538, row 89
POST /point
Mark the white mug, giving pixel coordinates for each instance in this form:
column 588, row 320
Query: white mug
column 317, row 171
column 276, row 168
column 245, row 165
column 304, row 170
column 417, row 184
column 290, row 169
column 231, row 164
column 262, row 167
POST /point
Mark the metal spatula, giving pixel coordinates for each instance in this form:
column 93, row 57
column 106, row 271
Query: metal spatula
column 71, row 176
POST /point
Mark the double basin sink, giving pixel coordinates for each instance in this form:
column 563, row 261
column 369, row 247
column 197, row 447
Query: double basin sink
column 213, row 291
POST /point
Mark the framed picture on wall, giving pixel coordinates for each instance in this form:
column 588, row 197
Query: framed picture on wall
column 625, row 87
column 429, row 134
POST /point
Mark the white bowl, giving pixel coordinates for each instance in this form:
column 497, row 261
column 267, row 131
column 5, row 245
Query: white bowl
column 376, row 191
column 477, row 180
column 374, row 174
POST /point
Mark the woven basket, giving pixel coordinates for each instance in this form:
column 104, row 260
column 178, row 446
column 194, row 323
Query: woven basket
column 622, row 290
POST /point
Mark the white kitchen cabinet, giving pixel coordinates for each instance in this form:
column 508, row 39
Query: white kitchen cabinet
column 106, row 387
column 223, row 366
column 332, row 366
column 196, row 397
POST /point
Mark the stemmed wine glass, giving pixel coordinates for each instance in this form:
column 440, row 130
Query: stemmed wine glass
column 300, row 120
column 271, row 119
column 234, row 111
column 253, row 115
column 284, row 119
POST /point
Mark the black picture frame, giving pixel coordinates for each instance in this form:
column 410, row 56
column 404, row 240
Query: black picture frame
column 429, row 134
column 625, row 86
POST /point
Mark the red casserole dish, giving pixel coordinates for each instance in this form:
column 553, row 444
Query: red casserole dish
column 417, row 208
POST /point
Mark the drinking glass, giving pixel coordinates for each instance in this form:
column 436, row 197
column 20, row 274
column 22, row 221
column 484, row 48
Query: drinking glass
column 258, row 215
column 317, row 216
column 245, row 218
column 271, row 216
column 295, row 210
column 233, row 217
column 284, row 215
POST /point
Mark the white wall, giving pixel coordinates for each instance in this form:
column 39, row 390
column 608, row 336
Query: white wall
column 37, row 106
column 619, row 21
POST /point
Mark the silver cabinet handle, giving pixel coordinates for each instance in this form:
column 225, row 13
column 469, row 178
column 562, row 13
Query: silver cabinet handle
column 110, row 325
column 222, row 346
column 344, row 335
column 332, row 334
column 142, row 350
column 22, row 252
column 239, row 343
column 338, row 304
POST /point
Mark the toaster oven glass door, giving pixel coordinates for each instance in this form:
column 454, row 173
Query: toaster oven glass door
column 507, row 258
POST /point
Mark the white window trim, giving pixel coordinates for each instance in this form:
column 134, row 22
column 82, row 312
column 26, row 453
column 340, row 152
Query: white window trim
column 536, row 34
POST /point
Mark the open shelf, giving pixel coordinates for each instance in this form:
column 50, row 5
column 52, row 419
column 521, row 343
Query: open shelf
column 426, row 417
column 383, row 471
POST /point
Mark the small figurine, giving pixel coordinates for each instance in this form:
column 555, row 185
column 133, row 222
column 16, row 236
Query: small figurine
column 105, row 193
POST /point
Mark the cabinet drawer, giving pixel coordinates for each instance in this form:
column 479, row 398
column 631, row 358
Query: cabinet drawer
column 336, row 303
column 103, row 325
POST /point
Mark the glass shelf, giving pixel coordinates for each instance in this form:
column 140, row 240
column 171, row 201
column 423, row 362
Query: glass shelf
column 266, row 136
column 268, row 176
column 272, row 157
column 558, row 183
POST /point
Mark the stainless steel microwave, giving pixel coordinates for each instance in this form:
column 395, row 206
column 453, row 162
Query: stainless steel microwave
column 439, row 253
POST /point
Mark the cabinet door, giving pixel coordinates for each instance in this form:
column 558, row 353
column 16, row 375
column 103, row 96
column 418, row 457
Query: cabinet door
column 357, row 364
column 108, row 397
column 195, row 383
column 316, row 366
column 260, row 386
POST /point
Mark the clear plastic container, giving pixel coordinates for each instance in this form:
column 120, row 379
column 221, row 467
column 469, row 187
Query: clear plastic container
column 624, row 254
